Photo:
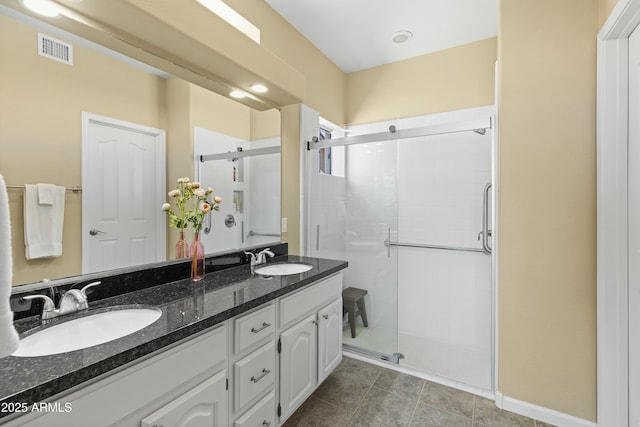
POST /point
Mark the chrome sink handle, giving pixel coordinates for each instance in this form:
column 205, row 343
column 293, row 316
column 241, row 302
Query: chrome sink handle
column 90, row 285
column 71, row 301
column 83, row 300
column 49, row 309
column 262, row 256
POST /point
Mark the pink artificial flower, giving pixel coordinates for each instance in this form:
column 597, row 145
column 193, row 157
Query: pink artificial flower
column 174, row 193
column 195, row 185
column 199, row 192
column 217, row 199
column 205, row 208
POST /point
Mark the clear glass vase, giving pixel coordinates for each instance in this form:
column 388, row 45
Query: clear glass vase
column 182, row 246
column 197, row 258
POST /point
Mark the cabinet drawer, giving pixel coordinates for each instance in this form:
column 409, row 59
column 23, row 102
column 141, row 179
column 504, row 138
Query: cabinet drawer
column 262, row 414
column 254, row 375
column 304, row 302
column 254, row 327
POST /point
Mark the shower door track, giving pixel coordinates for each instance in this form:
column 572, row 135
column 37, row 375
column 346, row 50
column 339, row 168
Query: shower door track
column 393, row 358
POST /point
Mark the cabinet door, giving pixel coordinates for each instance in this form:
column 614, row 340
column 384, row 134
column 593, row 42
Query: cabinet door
column 329, row 338
column 203, row 406
column 298, row 364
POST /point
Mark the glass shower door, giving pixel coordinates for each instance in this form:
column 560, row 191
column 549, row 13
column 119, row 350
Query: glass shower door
column 353, row 214
column 445, row 287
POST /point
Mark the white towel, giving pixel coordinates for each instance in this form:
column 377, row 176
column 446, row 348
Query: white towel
column 43, row 224
column 46, row 194
column 8, row 334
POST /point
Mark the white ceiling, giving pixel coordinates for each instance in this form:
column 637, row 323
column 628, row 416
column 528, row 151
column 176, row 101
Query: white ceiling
column 356, row 34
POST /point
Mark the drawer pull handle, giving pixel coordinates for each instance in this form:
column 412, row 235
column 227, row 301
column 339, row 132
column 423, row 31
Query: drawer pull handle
column 265, row 325
column 265, row 372
column 266, row 423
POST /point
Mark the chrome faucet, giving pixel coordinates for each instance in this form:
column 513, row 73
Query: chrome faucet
column 260, row 257
column 73, row 300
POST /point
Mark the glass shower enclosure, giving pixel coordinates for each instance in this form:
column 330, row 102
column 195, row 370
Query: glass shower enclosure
column 410, row 210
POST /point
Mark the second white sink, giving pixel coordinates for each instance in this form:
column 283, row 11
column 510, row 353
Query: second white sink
column 283, row 269
column 86, row 331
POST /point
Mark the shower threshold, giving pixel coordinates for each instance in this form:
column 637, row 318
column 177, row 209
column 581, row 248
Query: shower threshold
column 393, row 358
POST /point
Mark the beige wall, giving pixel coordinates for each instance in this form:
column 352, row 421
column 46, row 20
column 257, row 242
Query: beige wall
column 215, row 112
column 40, row 132
column 325, row 82
column 265, row 124
column 605, row 9
column 547, row 204
column 451, row 79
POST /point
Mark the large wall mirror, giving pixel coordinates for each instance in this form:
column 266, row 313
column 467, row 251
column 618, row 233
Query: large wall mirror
column 222, row 143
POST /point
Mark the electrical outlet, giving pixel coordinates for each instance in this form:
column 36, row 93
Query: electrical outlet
column 283, row 225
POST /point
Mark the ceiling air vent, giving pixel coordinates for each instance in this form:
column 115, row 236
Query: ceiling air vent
column 55, row 49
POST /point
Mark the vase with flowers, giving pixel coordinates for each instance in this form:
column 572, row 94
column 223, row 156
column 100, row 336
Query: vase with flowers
column 202, row 205
column 178, row 218
column 193, row 204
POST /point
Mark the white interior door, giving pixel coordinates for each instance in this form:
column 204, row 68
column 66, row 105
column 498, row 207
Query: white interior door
column 634, row 228
column 123, row 179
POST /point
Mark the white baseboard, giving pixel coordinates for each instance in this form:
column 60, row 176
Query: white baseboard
column 540, row 413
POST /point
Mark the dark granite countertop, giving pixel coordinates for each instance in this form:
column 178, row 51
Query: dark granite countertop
column 187, row 308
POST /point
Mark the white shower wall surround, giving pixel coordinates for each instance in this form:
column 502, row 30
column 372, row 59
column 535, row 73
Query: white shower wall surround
column 432, row 305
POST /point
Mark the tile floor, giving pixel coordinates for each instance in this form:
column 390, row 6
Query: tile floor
column 362, row 394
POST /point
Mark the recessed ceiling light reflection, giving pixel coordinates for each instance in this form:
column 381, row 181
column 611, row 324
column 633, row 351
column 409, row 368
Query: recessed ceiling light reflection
column 42, row 7
column 237, row 94
column 258, row 88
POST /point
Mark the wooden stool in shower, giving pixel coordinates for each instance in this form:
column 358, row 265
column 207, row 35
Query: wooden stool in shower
column 352, row 297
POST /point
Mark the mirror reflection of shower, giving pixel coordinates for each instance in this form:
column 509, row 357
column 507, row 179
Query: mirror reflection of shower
column 246, row 174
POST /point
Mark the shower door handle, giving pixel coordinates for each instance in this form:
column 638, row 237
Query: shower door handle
column 318, row 237
column 486, row 232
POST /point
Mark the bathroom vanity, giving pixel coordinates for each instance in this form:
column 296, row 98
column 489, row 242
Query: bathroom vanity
column 237, row 349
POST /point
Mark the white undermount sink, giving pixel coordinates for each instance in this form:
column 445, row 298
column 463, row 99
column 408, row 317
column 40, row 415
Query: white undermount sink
column 86, row 331
column 283, row 269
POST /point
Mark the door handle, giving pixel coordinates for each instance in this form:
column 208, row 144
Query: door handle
column 486, row 233
column 95, row 232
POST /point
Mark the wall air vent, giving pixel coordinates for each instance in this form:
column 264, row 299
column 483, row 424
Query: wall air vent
column 55, row 49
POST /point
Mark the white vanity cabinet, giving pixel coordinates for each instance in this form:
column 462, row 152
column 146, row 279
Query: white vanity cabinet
column 253, row 370
column 310, row 343
column 166, row 389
